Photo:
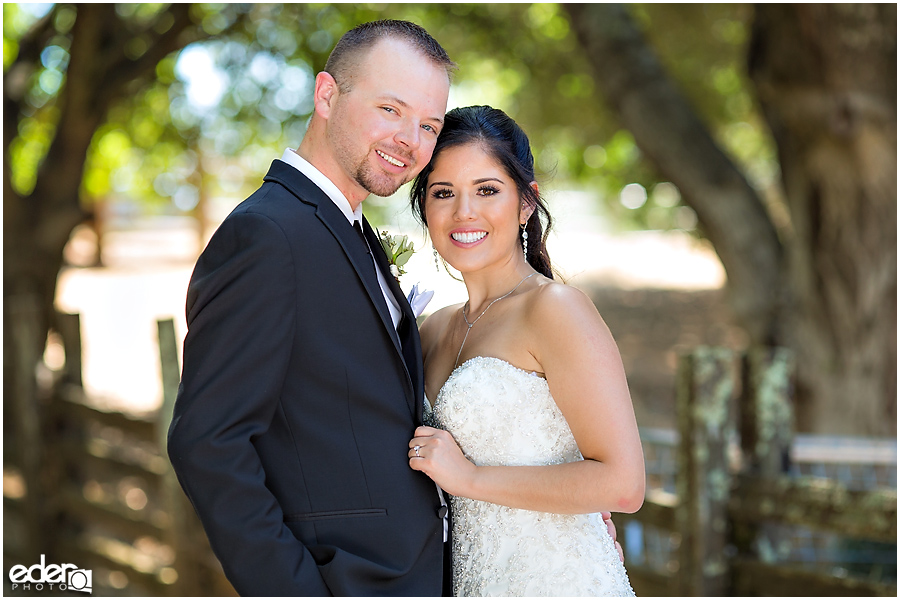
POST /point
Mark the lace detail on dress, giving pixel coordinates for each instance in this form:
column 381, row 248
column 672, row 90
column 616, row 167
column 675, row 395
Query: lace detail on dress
column 502, row 415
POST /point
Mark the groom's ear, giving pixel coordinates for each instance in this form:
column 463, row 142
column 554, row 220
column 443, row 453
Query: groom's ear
column 325, row 93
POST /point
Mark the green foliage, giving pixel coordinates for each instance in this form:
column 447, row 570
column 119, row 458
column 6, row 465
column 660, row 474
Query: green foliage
column 40, row 85
column 160, row 146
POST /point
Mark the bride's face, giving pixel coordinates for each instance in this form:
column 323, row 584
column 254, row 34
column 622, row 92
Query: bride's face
column 473, row 210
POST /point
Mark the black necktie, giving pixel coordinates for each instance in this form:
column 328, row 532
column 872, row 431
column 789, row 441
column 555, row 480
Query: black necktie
column 358, row 227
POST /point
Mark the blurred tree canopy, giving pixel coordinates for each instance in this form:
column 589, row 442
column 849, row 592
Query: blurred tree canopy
column 675, row 116
column 522, row 58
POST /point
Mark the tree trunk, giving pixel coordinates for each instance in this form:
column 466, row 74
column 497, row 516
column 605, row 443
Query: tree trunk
column 826, row 76
column 37, row 225
column 826, row 79
column 670, row 134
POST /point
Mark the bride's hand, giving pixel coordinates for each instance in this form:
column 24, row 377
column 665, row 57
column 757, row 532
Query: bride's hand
column 435, row 453
column 611, row 528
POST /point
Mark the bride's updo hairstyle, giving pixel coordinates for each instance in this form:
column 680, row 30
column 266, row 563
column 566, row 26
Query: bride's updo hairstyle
column 503, row 139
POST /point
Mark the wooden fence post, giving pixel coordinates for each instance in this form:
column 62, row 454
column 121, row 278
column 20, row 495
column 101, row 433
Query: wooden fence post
column 767, row 430
column 180, row 531
column 24, row 318
column 767, row 417
column 69, row 328
column 707, row 385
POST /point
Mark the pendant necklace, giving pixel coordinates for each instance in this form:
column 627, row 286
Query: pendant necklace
column 469, row 325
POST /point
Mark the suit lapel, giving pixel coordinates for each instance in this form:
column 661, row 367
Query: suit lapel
column 411, row 347
column 359, row 257
column 335, row 221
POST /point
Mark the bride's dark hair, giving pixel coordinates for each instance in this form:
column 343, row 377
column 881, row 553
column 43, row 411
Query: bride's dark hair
column 503, row 139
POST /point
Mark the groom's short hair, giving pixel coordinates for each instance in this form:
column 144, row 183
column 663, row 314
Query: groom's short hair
column 353, row 44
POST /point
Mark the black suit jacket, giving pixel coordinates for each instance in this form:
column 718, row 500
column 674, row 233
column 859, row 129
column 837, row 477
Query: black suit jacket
column 297, row 401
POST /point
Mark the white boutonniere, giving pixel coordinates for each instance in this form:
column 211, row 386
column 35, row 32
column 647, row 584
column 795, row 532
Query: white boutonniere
column 398, row 250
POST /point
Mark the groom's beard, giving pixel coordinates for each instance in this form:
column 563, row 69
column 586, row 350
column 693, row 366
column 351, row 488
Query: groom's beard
column 378, row 182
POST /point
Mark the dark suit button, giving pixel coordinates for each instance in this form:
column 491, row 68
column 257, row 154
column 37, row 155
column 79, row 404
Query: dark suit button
column 442, row 512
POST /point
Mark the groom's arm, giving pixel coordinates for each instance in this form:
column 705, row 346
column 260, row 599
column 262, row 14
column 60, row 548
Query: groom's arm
column 240, row 322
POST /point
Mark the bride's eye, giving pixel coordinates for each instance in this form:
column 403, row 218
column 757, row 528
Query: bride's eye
column 488, row 190
column 442, row 193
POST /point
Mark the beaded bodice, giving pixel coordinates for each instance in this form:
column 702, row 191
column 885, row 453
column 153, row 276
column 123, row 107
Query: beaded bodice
column 502, row 415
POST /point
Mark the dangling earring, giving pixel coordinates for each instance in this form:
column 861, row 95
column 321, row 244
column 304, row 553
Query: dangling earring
column 525, row 240
column 437, row 266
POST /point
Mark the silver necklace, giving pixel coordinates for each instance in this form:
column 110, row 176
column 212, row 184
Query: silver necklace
column 469, row 325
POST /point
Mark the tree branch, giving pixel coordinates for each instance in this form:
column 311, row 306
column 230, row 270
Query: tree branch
column 15, row 84
column 31, row 44
column 124, row 70
column 18, row 75
column 669, row 132
column 59, row 175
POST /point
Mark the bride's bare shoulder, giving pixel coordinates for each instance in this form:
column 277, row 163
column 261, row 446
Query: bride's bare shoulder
column 435, row 324
column 555, row 303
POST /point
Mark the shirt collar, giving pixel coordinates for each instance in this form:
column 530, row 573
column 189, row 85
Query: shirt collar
column 324, row 184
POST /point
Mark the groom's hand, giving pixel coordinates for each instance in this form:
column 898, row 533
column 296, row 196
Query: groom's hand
column 611, row 528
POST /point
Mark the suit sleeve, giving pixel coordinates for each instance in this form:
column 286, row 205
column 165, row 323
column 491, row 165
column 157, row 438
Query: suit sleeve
column 240, row 314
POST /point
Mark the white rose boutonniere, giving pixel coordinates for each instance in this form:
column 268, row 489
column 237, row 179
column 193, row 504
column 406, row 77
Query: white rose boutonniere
column 398, row 250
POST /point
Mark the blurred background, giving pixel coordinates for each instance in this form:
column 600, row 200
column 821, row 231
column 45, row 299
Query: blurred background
column 723, row 180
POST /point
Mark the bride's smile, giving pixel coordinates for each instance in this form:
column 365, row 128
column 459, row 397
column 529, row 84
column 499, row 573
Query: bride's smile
column 466, row 238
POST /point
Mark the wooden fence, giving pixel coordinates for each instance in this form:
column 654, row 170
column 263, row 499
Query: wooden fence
column 112, row 503
column 105, row 497
column 704, row 531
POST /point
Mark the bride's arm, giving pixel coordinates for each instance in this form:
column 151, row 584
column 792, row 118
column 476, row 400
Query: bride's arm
column 584, row 370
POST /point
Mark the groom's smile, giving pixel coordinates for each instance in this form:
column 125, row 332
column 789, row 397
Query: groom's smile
column 390, row 159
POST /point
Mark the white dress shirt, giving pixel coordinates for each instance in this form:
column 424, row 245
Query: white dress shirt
column 332, row 191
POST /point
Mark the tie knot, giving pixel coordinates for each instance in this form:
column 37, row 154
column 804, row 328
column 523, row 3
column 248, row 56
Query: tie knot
column 358, row 227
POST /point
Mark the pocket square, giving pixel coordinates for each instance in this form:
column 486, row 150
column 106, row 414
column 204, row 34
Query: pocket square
column 418, row 300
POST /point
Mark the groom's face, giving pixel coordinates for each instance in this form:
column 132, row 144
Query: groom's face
column 383, row 127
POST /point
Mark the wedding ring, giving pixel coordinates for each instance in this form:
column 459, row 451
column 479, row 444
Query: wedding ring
column 416, row 448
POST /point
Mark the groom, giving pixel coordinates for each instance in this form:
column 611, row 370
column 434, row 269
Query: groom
column 302, row 380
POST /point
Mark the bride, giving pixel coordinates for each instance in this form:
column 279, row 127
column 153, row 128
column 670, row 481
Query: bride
column 533, row 429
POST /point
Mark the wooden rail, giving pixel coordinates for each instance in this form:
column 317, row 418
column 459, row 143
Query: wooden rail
column 734, row 443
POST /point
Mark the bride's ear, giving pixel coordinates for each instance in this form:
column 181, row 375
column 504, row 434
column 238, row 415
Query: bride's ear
column 528, row 207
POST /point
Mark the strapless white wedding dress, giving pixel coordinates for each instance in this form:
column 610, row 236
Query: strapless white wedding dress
column 502, row 415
